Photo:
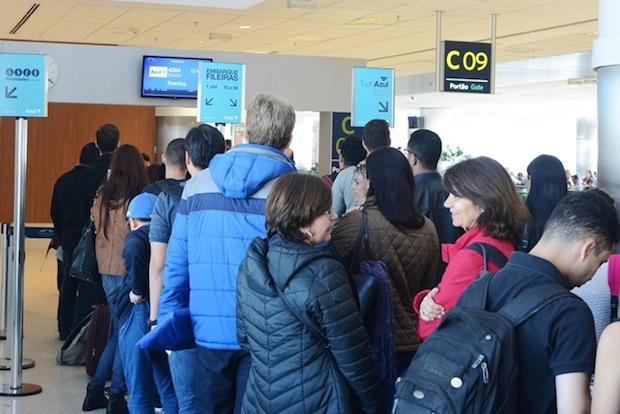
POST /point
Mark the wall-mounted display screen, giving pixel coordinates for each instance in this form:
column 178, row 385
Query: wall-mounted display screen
column 170, row 77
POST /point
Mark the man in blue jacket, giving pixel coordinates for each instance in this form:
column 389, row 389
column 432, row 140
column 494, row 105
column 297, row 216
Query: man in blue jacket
column 221, row 211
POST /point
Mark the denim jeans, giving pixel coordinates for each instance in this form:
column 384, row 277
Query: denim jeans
column 221, row 380
column 110, row 366
column 145, row 371
column 183, row 370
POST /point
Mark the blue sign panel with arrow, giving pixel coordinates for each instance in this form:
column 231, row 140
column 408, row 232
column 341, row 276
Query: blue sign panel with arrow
column 23, row 85
column 373, row 95
column 221, row 92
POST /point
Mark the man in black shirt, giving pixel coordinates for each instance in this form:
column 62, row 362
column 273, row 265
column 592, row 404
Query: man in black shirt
column 423, row 152
column 66, row 216
column 557, row 345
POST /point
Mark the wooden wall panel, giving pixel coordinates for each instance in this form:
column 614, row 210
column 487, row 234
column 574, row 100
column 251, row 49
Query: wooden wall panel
column 54, row 145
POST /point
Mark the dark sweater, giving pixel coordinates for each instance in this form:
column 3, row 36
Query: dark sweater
column 65, row 209
column 136, row 254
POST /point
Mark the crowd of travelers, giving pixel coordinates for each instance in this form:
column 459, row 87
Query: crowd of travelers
column 256, row 262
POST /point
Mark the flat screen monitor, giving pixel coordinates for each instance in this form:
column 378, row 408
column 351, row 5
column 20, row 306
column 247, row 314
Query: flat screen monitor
column 170, row 77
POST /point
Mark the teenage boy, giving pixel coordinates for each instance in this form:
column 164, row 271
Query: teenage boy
column 145, row 371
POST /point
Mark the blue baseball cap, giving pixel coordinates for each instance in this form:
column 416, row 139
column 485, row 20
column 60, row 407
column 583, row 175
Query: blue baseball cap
column 141, row 207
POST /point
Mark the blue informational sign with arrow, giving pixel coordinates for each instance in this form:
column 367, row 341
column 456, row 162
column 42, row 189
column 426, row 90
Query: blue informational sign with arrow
column 23, row 85
column 221, row 92
column 373, row 95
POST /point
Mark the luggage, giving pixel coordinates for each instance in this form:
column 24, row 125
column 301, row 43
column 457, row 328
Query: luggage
column 98, row 335
column 73, row 350
column 469, row 363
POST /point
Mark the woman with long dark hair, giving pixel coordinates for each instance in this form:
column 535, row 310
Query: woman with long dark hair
column 484, row 202
column 400, row 236
column 546, row 186
column 126, row 179
column 296, row 313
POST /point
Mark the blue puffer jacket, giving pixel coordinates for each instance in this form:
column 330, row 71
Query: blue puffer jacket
column 222, row 209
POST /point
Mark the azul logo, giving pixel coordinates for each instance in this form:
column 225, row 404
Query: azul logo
column 158, row 72
column 381, row 83
column 22, row 72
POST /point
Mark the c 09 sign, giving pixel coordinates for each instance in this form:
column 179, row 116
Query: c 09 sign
column 466, row 67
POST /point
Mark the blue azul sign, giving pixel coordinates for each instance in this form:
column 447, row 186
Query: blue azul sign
column 23, row 85
column 373, row 95
column 221, row 91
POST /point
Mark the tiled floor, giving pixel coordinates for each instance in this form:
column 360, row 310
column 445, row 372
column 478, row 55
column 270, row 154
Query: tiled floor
column 63, row 387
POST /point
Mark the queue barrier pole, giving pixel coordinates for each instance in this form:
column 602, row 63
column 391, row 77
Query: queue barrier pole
column 5, row 288
column 16, row 387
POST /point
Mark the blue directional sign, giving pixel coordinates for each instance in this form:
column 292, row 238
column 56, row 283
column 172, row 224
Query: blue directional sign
column 373, row 95
column 23, row 85
column 221, row 92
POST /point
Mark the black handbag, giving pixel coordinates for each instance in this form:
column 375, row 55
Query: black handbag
column 84, row 260
column 365, row 285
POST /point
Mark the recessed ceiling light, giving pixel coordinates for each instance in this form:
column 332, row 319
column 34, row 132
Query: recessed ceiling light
column 245, row 27
column 374, row 20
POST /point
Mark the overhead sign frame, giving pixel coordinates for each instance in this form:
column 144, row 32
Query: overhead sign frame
column 221, row 92
column 23, row 85
column 373, row 95
column 466, row 67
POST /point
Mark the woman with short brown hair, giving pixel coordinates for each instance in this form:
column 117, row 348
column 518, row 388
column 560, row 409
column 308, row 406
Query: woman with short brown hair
column 296, row 313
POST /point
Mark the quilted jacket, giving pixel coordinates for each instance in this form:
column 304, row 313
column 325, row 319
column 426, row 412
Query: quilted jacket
column 292, row 371
column 410, row 255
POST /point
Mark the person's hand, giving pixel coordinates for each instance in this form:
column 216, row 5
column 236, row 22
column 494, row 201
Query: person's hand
column 135, row 299
column 429, row 310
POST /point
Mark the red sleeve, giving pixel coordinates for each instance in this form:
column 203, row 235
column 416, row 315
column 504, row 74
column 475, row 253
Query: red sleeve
column 417, row 300
column 460, row 273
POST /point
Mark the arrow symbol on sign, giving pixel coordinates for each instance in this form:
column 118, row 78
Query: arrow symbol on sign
column 233, row 102
column 384, row 108
column 208, row 101
column 9, row 94
column 383, row 78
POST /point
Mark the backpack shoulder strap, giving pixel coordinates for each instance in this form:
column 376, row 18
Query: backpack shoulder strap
column 531, row 301
column 489, row 253
column 475, row 296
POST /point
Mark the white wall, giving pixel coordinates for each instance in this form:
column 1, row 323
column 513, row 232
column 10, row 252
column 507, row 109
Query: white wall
column 112, row 75
column 516, row 130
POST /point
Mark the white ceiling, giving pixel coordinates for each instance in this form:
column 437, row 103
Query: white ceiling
column 398, row 34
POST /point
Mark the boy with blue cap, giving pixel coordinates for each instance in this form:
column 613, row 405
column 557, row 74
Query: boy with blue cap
column 144, row 370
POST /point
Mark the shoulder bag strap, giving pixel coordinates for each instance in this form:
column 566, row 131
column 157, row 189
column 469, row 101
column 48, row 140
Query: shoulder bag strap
column 361, row 236
column 298, row 315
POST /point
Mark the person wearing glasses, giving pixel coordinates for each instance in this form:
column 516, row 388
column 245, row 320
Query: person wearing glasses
column 375, row 135
column 423, row 152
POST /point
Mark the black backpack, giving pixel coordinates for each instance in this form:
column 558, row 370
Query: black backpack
column 469, row 363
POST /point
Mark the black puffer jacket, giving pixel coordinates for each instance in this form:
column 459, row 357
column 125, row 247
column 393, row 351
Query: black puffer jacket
column 292, row 372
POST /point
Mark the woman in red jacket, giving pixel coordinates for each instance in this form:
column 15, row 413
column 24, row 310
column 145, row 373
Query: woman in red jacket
column 485, row 203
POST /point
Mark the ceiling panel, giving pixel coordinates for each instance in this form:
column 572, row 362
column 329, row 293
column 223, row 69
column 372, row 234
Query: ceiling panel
column 525, row 28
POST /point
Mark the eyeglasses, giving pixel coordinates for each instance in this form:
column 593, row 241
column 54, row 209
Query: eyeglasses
column 361, row 170
column 408, row 151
